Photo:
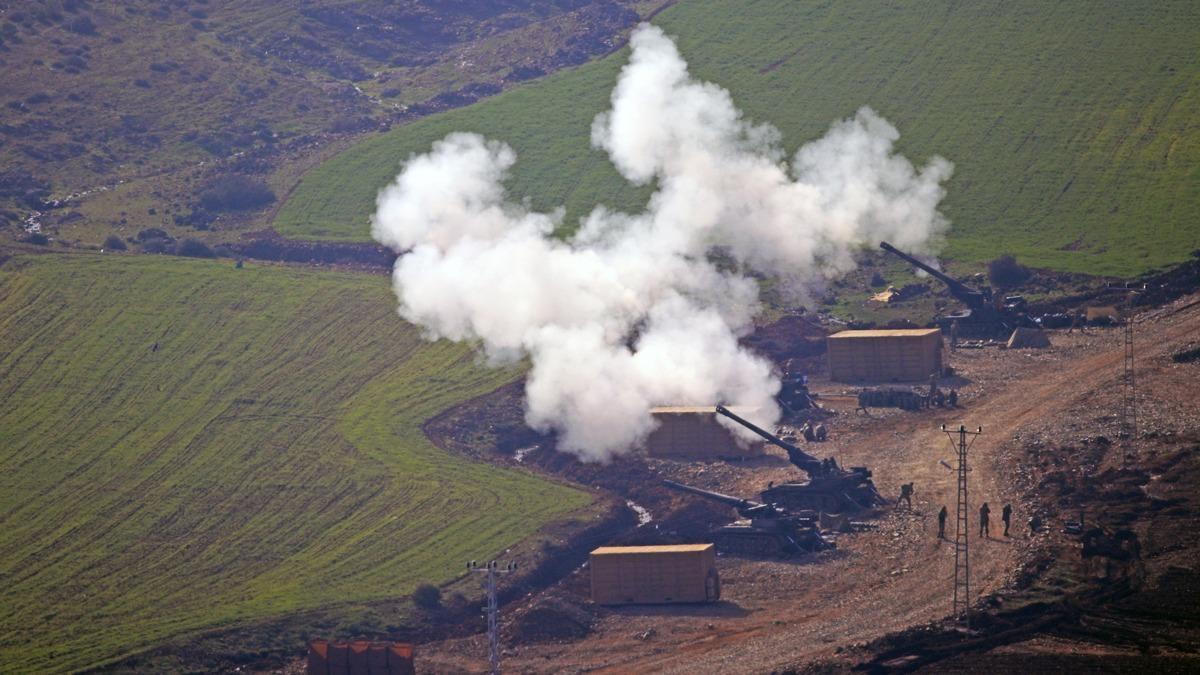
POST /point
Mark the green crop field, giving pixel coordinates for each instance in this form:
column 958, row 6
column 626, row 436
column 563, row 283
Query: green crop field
column 1072, row 124
column 187, row 446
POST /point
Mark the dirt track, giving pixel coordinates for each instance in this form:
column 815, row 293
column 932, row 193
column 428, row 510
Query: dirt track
column 777, row 614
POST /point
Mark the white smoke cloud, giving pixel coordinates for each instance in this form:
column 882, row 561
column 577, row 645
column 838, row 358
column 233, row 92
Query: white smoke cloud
column 631, row 312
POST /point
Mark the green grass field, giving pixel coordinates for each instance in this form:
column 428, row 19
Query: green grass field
column 1072, row 124
column 266, row 458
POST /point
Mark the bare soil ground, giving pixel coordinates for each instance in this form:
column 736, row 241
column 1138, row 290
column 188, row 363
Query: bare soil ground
column 1049, row 445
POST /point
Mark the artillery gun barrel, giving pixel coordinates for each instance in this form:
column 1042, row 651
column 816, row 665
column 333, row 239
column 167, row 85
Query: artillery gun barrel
column 804, row 461
column 736, row 502
column 973, row 298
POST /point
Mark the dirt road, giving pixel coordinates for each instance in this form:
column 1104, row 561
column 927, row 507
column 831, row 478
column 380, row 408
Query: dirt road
column 777, row 614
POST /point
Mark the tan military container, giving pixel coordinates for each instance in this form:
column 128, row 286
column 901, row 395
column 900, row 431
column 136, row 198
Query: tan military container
column 692, row 432
column 623, row 575
column 904, row 355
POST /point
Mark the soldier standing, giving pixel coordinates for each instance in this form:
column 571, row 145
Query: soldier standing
column 807, row 431
column 1006, row 516
column 984, row 513
column 906, row 492
column 942, row 515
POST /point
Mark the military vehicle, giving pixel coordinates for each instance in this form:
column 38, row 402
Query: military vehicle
column 984, row 317
column 829, row 488
column 793, row 395
column 763, row 530
column 887, row 397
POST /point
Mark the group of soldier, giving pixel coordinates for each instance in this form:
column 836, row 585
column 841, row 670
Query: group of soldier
column 938, row 398
column 985, row 514
column 985, row 518
column 814, row 433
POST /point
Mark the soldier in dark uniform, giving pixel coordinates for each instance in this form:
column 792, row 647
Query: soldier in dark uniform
column 984, row 516
column 820, row 433
column 942, row 515
column 807, row 431
column 906, row 492
column 1006, row 516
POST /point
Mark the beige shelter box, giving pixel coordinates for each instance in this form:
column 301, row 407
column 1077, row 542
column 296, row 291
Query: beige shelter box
column 904, row 355
column 1028, row 338
column 1095, row 313
column 692, row 432
column 623, row 575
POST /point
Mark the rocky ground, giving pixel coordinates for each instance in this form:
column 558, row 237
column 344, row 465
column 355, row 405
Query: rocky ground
column 1049, row 446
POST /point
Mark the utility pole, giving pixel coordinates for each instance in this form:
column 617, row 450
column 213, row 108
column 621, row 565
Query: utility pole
column 1128, row 421
column 1128, row 431
column 491, row 569
column 962, row 561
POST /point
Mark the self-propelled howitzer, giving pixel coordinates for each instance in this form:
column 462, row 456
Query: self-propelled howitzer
column 978, row 300
column 829, row 488
column 762, row 530
column 984, row 315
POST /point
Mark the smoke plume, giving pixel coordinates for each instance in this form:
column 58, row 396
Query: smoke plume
column 632, row 311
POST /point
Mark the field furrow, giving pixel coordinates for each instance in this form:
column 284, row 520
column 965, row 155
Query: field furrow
column 188, row 446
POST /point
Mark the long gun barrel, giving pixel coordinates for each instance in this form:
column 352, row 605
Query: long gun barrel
column 803, row 461
column 736, row 502
column 969, row 296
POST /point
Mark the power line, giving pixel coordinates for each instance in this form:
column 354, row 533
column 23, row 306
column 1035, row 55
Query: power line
column 491, row 569
column 962, row 559
column 1128, row 431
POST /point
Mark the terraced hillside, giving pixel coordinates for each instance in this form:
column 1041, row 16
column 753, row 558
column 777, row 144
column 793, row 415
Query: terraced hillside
column 186, row 445
column 1071, row 124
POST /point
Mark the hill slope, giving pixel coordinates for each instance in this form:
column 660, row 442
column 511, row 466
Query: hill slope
column 184, row 445
column 1070, row 123
column 152, row 100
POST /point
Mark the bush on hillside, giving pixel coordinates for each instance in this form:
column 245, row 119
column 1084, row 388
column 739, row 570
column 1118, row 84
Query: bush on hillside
column 156, row 245
column 236, row 193
column 114, row 243
column 37, row 238
column 152, row 233
column 82, row 25
column 1006, row 272
column 194, row 248
column 427, row 596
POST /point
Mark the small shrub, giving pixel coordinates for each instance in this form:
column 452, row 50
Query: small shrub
column 1006, row 272
column 236, row 193
column 194, row 248
column 427, row 596
column 37, row 238
column 114, row 243
column 82, row 25
column 152, row 233
column 156, row 245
